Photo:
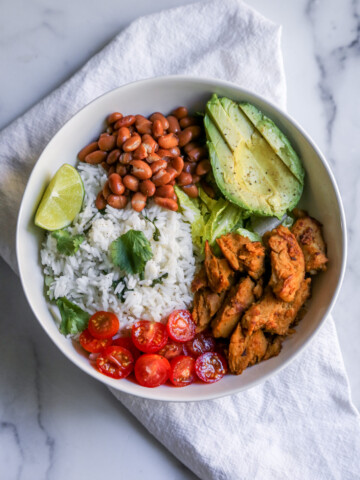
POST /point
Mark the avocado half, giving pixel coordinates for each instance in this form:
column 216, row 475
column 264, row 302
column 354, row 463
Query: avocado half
column 254, row 164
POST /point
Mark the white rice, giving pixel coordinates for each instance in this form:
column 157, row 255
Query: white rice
column 86, row 278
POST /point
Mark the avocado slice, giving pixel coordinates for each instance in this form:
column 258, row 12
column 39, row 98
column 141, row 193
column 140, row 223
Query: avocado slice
column 246, row 169
column 276, row 139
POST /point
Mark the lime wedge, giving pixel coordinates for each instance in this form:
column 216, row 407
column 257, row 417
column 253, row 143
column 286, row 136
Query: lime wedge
column 62, row 199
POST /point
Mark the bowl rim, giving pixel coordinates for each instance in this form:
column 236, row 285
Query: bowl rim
column 160, row 394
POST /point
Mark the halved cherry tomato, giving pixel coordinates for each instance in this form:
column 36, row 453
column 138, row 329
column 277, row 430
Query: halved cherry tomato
column 171, row 350
column 127, row 343
column 92, row 344
column 149, row 337
column 103, row 325
column 115, row 362
column 201, row 343
column 210, row 367
column 182, row 371
column 181, row 326
column 152, row 370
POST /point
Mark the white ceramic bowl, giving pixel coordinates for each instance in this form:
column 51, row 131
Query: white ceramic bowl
column 321, row 198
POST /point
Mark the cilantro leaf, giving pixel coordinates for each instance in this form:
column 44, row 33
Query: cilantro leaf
column 121, row 295
column 66, row 243
column 159, row 279
column 73, row 318
column 131, row 251
column 156, row 234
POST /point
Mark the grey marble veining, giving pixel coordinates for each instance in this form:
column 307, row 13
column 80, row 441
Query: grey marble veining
column 54, row 418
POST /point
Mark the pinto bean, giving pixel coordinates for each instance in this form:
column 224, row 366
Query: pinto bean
column 196, row 154
column 111, row 169
column 141, row 169
column 192, row 132
column 149, row 143
column 169, row 140
column 125, row 158
column 114, row 117
column 203, row 167
column 138, row 201
column 190, row 146
column 208, row 189
column 184, row 179
column 123, row 135
column 196, row 178
column 143, row 125
column 185, row 137
column 105, row 166
column 96, row 157
column 175, row 151
column 168, row 203
column 162, row 177
column 100, row 202
column 113, row 157
column 178, row 164
column 115, row 184
column 189, row 167
column 174, row 126
column 158, row 165
column 131, row 182
column 159, row 116
column 110, row 130
column 117, row 201
column 121, row 169
column 106, row 142
column 191, row 190
column 140, row 153
column 180, row 112
column 188, row 121
column 163, row 152
column 86, row 150
column 106, row 190
column 125, row 122
column 166, row 191
column 157, row 129
column 132, row 143
column 153, row 157
column 172, row 172
column 147, row 187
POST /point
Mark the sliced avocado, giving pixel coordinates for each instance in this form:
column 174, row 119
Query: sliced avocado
column 276, row 139
column 246, row 169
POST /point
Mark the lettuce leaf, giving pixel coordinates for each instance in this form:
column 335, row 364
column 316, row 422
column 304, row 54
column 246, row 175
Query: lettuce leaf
column 253, row 236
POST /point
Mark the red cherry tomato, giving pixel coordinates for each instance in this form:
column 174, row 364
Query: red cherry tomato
column 201, row 343
column 210, row 367
column 91, row 344
column 152, row 370
column 182, row 371
column 181, row 326
column 103, row 325
column 149, row 337
column 127, row 343
column 171, row 350
column 115, row 362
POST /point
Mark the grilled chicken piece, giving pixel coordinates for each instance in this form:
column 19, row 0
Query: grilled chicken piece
column 287, row 263
column 274, row 314
column 238, row 300
column 246, row 351
column 243, row 254
column 200, row 280
column 219, row 274
column 206, row 304
column 308, row 233
column 274, row 347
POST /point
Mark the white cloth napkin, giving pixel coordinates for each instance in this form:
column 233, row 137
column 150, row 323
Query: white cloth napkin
column 300, row 424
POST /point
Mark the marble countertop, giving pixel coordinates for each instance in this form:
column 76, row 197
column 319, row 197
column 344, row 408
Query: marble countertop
column 56, row 422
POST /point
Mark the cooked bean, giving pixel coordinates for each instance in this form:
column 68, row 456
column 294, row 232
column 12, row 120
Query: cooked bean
column 121, row 169
column 196, row 178
column 147, row 187
column 191, row 190
column 149, row 143
column 106, row 190
column 113, row 157
column 133, row 143
column 189, row 167
column 185, row 137
column 196, row 154
column 143, row 125
column 166, row 191
column 157, row 129
column 180, row 112
column 188, row 121
column 125, row 121
column 153, row 157
column 114, row 117
column 123, row 135
column 178, row 164
column 100, row 202
column 96, row 157
column 175, row 151
column 106, row 142
column 117, row 201
column 159, row 116
column 172, row 182
column 138, row 201
column 131, row 182
column 163, row 152
column 105, row 166
column 86, row 150
column 127, row 192
column 191, row 145
column 162, row 177
column 168, row 203
column 172, row 172
column 115, row 184
column 174, row 126
column 110, row 130
column 203, row 167
column 184, row 179
column 140, row 153
column 132, row 129
column 111, row 169
column 192, row 132
column 158, row 165
column 208, row 189
column 167, row 141
column 125, row 158
column 141, row 169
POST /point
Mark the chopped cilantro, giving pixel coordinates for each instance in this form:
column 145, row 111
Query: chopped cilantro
column 131, row 251
column 156, row 234
column 73, row 318
column 66, row 243
column 159, row 279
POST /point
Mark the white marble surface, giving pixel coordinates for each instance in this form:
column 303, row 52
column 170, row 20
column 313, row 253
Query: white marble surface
column 55, row 422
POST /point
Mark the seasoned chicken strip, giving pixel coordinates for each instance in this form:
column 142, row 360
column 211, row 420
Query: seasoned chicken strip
column 206, row 304
column 287, row 263
column 243, row 254
column 238, row 300
column 219, row 274
column 200, row 280
column 308, row 233
column 244, row 352
column 274, row 347
column 273, row 314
